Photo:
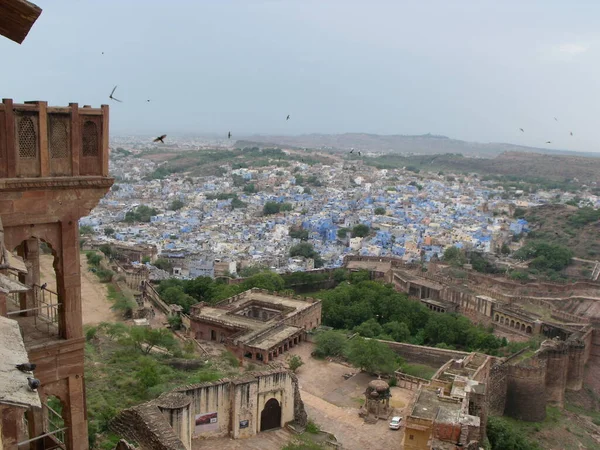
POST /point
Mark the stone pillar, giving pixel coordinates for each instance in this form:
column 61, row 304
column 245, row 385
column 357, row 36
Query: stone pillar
column 3, row 307
column 175, row 407
column 74, row 414
column 68, row 283
column 576, row 367
column 31, row 256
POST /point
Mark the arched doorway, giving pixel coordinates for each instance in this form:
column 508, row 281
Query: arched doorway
column 270, row 417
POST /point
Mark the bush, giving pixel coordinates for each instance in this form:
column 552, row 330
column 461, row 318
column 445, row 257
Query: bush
column 176, row 205
column 360, row 230
column 93, row 258
column 174, row 322
column 105, row 275
column 379, row 211
column 504, row 436
column 90, row 333
column 312, row 427
column 294, row 362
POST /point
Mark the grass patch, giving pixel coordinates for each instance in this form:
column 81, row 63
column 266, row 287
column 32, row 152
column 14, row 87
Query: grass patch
column 359, row 400
column 118, row 375
column 312, row 427
column 418, row 370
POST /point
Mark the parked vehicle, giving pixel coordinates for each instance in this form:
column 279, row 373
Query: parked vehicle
column 395, row 423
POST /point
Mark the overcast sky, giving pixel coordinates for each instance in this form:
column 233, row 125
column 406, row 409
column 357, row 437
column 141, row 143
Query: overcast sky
column 474, row 70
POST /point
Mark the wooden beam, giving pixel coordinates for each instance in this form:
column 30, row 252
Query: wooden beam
column 16, row 18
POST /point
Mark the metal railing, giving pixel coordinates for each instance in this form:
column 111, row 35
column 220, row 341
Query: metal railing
column 46, row 307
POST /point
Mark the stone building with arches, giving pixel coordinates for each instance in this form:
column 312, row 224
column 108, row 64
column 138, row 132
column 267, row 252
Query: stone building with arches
column 237, row 408
column 53, row 171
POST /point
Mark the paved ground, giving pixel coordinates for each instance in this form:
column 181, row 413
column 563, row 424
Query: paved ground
column 95, row 305
column 268, row 440
column 333, row 402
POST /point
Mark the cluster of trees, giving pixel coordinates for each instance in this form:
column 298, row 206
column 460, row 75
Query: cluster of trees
column 186, row 293
column 274, row 208
column 378, row 311
column 545, row 255
column 221, row 196
column 312, row 180
column 307, row 251
column 142, row 213
column 369, row 355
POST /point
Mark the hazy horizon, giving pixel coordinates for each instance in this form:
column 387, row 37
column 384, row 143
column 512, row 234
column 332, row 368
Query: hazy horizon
column 469, row 70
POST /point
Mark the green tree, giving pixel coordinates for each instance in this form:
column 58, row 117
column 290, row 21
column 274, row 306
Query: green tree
column 372, row 356
column 109, row 231
column 399, row 331
column 330, row 343
column 236, row 203
column 176, row 205
column 85, row 230
column 250, row 188
column 454, row 256
column 269, row 281
column 142, row 213
column 271, row 208
column 93, row 259
column 380, row 211
column 299, row 233
column 106, row 249
column 342, row 232
column 146, row 259
column 306, row 250
column 176, row 296
column 360, row 230
column 145, row 339
column 285, row 207
column 201, row 288
column 163, row 264
column 294, row 362
column 369, row 329
column 147, row 375
column 545, row 255
column 505, row 249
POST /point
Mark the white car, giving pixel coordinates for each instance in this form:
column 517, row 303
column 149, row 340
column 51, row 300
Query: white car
column 395, row 423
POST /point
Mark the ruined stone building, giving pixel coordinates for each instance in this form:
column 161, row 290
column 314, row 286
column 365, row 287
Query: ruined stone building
column 53, row 171
column 450, row 411
column 237, row 408
column 256, row 325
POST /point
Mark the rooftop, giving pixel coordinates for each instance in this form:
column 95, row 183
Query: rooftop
column 429, row 406
column 13, row 383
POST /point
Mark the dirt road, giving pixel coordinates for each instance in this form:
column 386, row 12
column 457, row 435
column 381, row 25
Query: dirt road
column 95, row 304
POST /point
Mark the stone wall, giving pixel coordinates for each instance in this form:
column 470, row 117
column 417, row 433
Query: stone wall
column 234, row 406
column 526, row 391
column 496, row 389
column 147, row 427
column 424, row 355
column 556, row 355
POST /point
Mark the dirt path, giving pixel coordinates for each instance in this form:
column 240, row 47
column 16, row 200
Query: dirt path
column 95, row 304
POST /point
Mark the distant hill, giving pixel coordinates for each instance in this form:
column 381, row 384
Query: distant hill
column 427, row 144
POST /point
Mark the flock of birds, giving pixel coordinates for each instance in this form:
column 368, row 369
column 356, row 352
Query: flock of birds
column 547, row 142
column 33, row 383
column 163, row 136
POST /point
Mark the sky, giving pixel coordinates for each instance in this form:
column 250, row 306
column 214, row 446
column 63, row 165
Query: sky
column 475, row 70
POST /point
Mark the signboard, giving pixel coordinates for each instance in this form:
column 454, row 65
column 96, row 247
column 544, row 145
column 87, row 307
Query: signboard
column 244, row 423
column 206, row 422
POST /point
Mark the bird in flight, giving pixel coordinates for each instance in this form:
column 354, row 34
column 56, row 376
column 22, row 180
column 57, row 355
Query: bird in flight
column 556, row 119
column 359, row 153
column 352, row 151
column 571, row 133
column 288, row 117
column 522, row 130
column 160, row 138
column 113, row 98
column 148, row 100
column 229, row 135
column 26, row 367
column 548, row 142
